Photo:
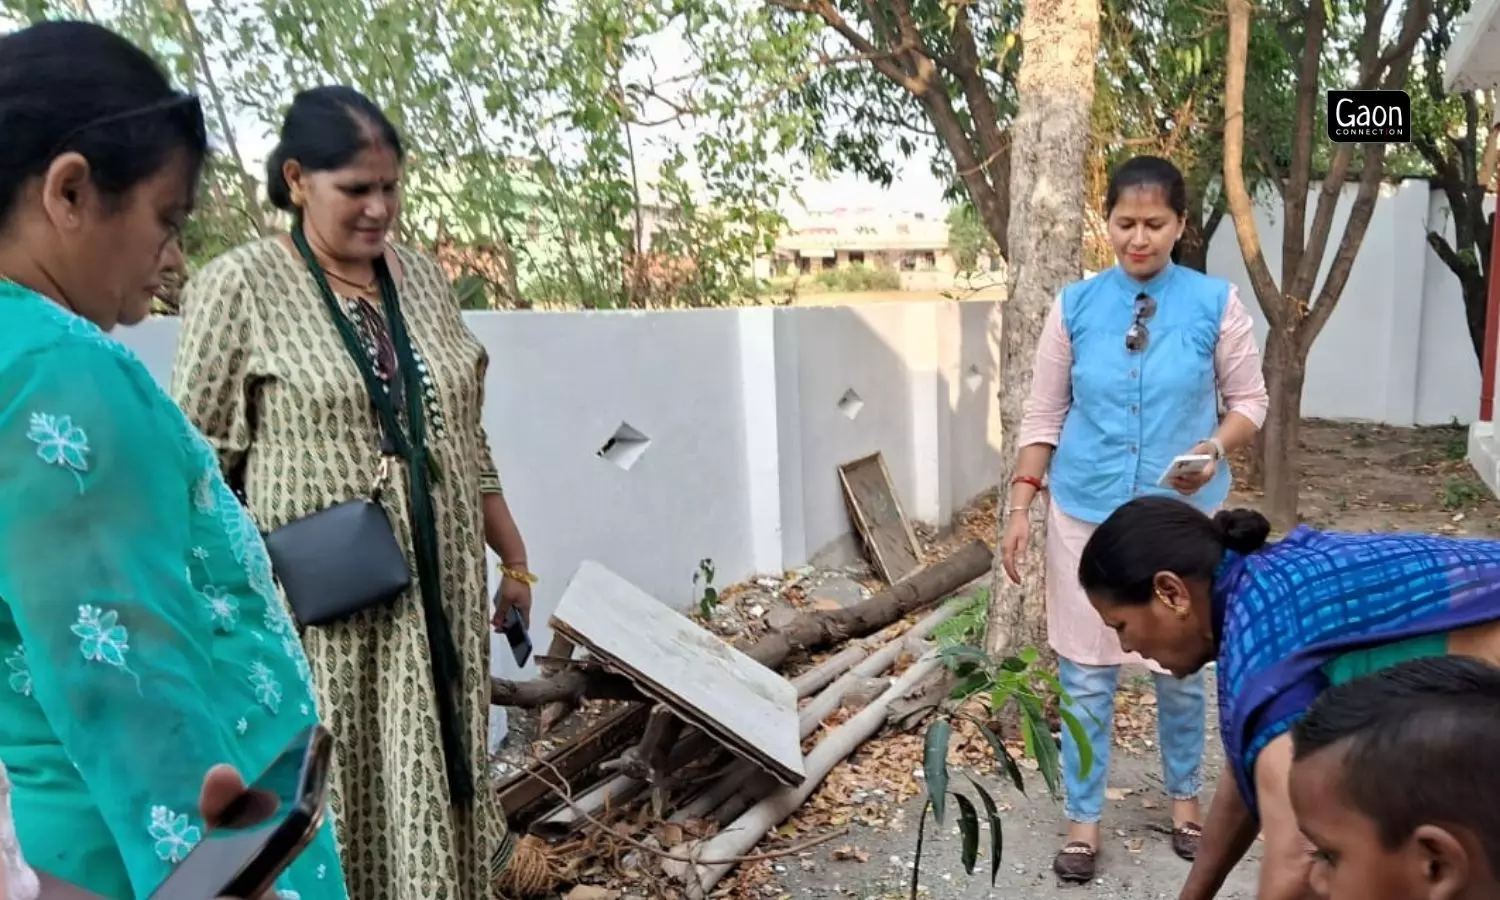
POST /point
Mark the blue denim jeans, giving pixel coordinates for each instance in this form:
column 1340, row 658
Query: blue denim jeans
column 1180, row 724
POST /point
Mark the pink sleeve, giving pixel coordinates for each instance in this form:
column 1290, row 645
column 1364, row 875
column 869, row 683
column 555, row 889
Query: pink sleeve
column 1237, row 363
column 1051, row 382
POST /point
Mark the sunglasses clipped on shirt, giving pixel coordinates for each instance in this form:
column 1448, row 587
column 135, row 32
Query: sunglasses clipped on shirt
column 1138, row 336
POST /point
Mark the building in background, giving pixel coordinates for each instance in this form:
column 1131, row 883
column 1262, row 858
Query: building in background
column 911, row 244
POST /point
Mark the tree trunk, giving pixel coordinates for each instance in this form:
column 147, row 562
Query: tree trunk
column 1285, row 373
column 1476, row 313
column 1050, row 138
column 1192, row 249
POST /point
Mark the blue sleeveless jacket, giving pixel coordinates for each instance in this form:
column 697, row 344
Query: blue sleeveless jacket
column 1131, row 413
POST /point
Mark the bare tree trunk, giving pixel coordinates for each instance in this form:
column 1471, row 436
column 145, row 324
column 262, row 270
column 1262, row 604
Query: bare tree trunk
column 1050, row 138
column 1192, row 249
column 1285, row 373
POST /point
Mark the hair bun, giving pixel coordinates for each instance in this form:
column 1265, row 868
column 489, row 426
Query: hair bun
column 277, row 190
column 1242, row 530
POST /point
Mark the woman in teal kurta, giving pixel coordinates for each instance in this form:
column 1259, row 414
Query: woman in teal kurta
column 141, row 631
column 141, row 637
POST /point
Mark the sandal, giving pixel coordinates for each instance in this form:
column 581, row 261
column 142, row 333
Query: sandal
column 1075, row 863
column 1185, row 838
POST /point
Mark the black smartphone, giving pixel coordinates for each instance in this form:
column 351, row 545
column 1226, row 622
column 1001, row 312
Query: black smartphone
column 263, row 830
column 515, row 632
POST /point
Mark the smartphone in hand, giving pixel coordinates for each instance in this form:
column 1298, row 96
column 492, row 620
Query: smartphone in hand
column 263, row 830
column 515, row 633
column 1187, row 464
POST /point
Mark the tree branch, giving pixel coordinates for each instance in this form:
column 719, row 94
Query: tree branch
column 884, row 62
column 1241, row 207
column 1370, row 178
column 993, row 143
column 1460, row 265
column 1294, row 237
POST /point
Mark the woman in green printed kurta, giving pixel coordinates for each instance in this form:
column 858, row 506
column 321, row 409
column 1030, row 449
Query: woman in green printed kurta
column 140, row 631
column 262, row 371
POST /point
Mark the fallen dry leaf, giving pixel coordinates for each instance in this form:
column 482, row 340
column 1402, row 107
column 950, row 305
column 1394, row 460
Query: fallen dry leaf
column 591, row 892
column 854, row 853
column 1115, row 793
column 1134, row 845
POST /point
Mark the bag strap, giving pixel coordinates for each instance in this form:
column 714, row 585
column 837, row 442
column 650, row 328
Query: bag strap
column 393, row 440
column 423, row 473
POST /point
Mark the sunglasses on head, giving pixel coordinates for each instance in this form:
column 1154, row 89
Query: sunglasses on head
column 1138, row 336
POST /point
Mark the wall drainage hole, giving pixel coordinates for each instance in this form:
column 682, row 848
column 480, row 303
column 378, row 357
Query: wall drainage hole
column 973, row 378
column 625, row 447
column 850, row 404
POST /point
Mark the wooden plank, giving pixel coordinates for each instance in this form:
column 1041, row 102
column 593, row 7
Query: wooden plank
column 741, row 703
column 878, row 517
column 523, row 795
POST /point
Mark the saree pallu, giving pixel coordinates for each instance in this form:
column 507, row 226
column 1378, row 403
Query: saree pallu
column 1284, row 613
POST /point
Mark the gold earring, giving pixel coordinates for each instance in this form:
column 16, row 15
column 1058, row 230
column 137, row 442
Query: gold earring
column 1181, row 612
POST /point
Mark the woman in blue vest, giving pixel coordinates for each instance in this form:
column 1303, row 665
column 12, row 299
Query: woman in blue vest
column 1130, row 372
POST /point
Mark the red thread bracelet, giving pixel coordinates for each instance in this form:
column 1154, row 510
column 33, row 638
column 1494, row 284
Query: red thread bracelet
column 1028, row 479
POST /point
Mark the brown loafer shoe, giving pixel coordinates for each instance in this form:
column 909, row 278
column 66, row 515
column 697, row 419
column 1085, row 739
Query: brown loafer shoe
column 1075, row 863
column 1185, row 838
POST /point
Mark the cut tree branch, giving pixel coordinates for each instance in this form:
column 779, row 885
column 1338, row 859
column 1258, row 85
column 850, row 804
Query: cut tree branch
column 809, row 631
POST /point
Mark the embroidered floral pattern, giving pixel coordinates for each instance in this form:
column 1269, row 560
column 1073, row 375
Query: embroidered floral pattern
column 101, row 636
column 293, row 649
column 203, row 492
column 242, row 726
column 174, row 834
column 223, row 609
column 60, row 443
column 20, row 672
column 267, row 688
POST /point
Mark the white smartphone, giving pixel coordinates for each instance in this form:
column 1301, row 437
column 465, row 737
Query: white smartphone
column 1187, row 464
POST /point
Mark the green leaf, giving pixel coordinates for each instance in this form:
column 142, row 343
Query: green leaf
column 968, row 830
column 997, row 839
column 1002, row 755
column 970, row 684
column 1039, row 741
column 962, row 653
column 1080, row 740
column 935, row 764
column 916, row 862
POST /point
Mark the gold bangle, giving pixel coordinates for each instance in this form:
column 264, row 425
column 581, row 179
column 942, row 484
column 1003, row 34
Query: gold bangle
column 515, row 574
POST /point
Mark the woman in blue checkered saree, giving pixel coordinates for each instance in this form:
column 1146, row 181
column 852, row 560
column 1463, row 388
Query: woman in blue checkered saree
column 1282, row 621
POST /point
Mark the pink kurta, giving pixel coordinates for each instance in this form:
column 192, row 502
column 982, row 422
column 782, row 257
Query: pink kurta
column 1074, row 630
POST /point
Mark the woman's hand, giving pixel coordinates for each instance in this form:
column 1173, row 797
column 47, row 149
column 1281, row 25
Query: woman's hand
column 513, row 594
column 1189, row 483
column 1014, row 543
column 221, row 787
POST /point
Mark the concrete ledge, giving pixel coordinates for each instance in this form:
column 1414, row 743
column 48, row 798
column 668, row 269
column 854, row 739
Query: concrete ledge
column 1484, row 454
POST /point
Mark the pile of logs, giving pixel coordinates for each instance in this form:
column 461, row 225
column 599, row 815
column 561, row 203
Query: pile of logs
column 641, row 755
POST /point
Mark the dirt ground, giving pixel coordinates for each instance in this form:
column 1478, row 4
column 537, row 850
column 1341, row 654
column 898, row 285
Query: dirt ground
column 1355, row 477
